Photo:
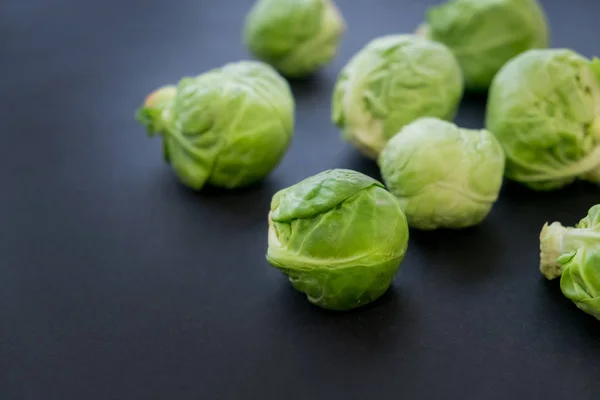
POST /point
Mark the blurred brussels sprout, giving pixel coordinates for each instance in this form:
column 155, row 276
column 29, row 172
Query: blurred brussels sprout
column 297, row 37
column 228, row 127
column 573, row 254
column 544, row 107
column 339, row 236
column 485, row 34
column 444, row 176
column 391, row 82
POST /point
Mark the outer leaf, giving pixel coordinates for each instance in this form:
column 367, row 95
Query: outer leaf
column 592, row 220
column 154, row 114
column 318, row 194
column 580, row 281
column 345, row 247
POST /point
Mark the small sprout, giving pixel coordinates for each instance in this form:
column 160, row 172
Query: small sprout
column 339, row 236
column 485, row 34
column 443, row 175
column 391, row 82
column 546, row 120
column 295, row 37
column 228, row 127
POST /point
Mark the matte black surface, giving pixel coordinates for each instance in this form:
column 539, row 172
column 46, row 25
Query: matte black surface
column 118, row 283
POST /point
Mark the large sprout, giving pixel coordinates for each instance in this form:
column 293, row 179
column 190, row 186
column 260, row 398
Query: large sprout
column 228, row 127
column 573, row 254
column 295, row 36
column 339, row 236
column 391, row 82
column 485, row 34
column 444, row 176
column 544, row 107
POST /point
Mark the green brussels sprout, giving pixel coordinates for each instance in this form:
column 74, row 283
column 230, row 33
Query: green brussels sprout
column 485, row 34
column 297, row 37
column 228, row 127
column 339, row 236
column 444, row 176
column 544, row 107
column 391, row 82
column 573, row 254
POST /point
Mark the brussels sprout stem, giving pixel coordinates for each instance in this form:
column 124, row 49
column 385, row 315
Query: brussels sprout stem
column 556, row 240
column 551, row 247
column 154, row 113
column 422, row 30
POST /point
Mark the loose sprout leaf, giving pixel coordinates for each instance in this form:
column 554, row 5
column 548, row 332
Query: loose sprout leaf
column 595, row 65
column 149, row 117
column 318, row 194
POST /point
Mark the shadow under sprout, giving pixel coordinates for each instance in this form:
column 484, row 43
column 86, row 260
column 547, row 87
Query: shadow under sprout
column 450, row 252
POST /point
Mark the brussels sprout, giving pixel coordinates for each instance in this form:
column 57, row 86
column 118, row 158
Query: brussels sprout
column 544, row 107
column 444, row 176
column 391, row 82
column 228, row 127
column 485, row 34
column 297, row 37
column 573, row 254
column 339, row 236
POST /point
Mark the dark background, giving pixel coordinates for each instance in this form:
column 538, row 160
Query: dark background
column 116, row 282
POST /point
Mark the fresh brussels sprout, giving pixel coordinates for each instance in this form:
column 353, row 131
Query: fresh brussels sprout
column 391, row 82
column 444, row 176
column 485, row 34
column 544, row 107
column 339, row 236
column 297, row 37
column 573, row 254
column 228, row 127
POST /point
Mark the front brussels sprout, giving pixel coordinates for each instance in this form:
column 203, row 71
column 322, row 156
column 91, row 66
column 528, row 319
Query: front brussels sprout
column 228, row 127
column 544, row 107
column 485, row 34
column 391, row 82
column 444, row 176
column 339, row 236
column 297, row 37
column 573, row 254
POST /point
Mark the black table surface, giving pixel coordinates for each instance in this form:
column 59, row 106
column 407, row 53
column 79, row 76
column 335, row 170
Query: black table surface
column 116, row 282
